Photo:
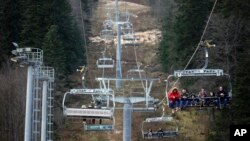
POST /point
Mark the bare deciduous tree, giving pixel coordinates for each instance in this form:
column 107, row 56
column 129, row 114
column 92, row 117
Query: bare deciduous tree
column 12, row 99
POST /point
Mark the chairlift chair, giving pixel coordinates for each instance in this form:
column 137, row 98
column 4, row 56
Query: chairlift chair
column 127, row 28
column 124, row 16
column 203, row 72
column 105, row 63
column 131, row 44
column 101, row 125
column 93, row 112
column 136, row 73
column 129, row 37
column 140, row 104
column 107, row 34
column 198, row 73
column 171, row 131
column 108, row 24
column 105, row 111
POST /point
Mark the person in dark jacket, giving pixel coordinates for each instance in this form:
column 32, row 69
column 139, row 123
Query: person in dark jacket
column 160, row 133
column 212, row 100
column 223, row 97
column 184, row 99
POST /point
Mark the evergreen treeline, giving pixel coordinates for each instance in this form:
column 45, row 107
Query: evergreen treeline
column 43, row 24
column 182, row 31
column 229, row 29
column 239, row 50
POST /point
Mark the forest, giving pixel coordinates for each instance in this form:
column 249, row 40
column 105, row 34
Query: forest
column 50, row 26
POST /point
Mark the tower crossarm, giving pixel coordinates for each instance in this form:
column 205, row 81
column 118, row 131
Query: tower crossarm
column 198, row 72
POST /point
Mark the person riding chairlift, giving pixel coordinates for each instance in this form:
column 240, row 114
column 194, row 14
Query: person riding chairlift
column 223, row 97
column 202, row 97
column 174, row 99
column 184, row 98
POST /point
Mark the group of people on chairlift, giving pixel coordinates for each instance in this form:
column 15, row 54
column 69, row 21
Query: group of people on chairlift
column 159, row 133
column 178, row 101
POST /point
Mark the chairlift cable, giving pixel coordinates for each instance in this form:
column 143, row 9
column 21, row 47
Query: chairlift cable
column 198, row 45
column 136, row 60
column 104, row 52
column 85, row 41
column 125, row 5
column 135, row 52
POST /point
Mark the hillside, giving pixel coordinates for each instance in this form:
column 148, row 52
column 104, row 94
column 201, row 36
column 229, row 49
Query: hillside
column 193, row 124
column 168, row 33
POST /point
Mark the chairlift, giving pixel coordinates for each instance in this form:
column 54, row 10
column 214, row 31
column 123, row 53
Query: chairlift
column 108, row 24
column 99, row 127
column 130, row 44
column 99, row 124
column 136, row 73
column 127, row 28
column 140, row 103
column 105, row 63
column 124, row 16
column 200, row 73
column 129, row 37
column 101, row 107
column 203, row 72
column 107, row 34
column 171, row 129
column 94, row 111
column 143, row 103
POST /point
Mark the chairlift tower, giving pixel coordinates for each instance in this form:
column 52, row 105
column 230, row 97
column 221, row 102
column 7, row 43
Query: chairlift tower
column 123, row 26
column 32, row 58
column 46, row 75
column 129, row 101
column 120, row 25
column 118, row 48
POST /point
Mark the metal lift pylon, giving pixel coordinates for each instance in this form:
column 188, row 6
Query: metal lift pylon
column 128, row 101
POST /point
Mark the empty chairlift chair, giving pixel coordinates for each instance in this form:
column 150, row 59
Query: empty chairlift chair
column 124, row 16
column 130, row 43
column 128, row 37
column 108, row 24
column 107, row 34
column 128, row 34
column 136, row 73
column 105, row 63
column 127, row 28
column 142, row 101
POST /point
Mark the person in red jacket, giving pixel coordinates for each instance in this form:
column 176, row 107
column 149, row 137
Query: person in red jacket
column 174, row 99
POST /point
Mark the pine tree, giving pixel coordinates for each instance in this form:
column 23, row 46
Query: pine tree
column 182, row 33
column 241, row 79
column 190, row 22
column 39, row 16
column 32, row 33
column 239, row 112
column 166, row 49
column 53, row 50
column 61, row 16
column 9, row 26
